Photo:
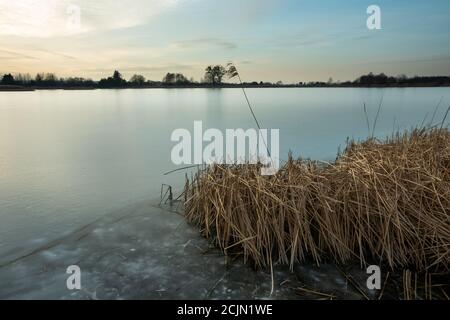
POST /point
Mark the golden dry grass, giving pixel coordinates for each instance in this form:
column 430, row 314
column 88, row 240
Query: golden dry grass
column 383, row 201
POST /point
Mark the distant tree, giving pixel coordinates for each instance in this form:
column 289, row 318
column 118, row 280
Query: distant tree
column 116, row 81
column 209, row 78
column 117, row 76
column 372, row 79
column 8, row 79
column 175, row 78
column 180, row 79
column 50, row 79
column 78, row 82
column 39, row 78
column 215, row 74
column 137, row 79
column 23, row 78
column 402, row 79
column 169, row 78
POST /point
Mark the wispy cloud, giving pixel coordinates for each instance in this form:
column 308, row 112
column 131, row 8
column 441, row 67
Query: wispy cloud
column 32, row 54
column 142, row 68
column 50, row 18
column 204, row 42
column 12, row 55
column 424, row 59
column 310, row 39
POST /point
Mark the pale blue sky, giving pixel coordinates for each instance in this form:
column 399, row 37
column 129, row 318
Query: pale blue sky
column 270, row 40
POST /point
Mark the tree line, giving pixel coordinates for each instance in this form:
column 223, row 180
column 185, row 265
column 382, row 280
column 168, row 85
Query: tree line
column 214, row 77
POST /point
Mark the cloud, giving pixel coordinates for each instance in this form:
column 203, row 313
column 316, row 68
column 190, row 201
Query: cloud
column 309, row 39
column 52, row 18
column 13, row 55
column 253, row 10
column 142, row 68
column 203, row 42
column 32, row 54
column 434, row 58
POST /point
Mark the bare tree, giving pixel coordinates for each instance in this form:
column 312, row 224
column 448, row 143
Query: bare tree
column 215, row 74
column 137, row 79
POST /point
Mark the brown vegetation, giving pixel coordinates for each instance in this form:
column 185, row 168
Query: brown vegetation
column 383, row 201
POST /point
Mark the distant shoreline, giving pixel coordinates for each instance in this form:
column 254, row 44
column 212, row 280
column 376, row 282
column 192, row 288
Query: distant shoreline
column 213, row 79
column 15, row 88
column 224, row 86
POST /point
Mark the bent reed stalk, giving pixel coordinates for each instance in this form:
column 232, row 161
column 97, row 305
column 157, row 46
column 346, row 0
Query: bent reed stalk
column 386, row 202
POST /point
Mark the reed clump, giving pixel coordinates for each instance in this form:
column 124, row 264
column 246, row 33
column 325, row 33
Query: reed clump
column 384, row 201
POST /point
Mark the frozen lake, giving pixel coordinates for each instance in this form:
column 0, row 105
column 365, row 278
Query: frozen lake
column 70, row 157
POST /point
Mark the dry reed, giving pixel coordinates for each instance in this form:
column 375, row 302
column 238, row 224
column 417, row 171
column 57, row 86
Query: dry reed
column 384, row 201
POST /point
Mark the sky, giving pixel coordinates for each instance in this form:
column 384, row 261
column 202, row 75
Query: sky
column 268, row 40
